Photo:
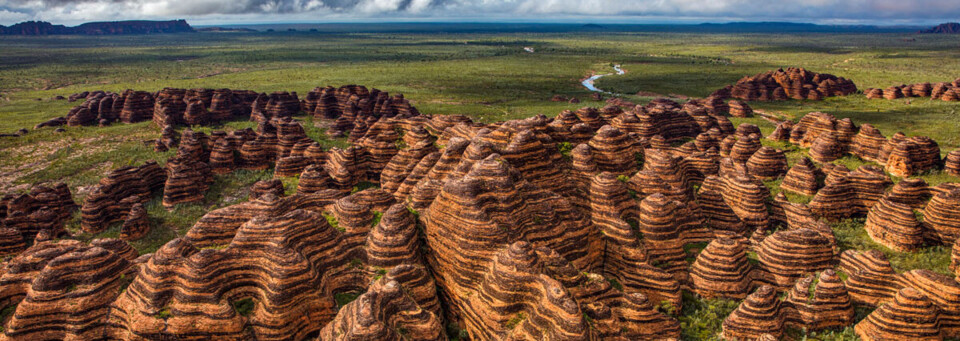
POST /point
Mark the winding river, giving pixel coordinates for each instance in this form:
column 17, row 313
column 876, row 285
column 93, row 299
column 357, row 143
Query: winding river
column 588, row 83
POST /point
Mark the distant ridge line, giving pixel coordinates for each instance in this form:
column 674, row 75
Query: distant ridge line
column 39, row 28
column 945, row 28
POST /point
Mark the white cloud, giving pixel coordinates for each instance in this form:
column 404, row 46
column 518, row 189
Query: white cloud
column 853, row 11
column 9, row 16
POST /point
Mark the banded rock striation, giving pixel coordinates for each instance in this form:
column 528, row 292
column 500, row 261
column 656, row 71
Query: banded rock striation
column 582, row 226
column 795, row 83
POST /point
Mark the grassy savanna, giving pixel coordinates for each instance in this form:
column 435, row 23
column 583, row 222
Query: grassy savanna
column 486, row 76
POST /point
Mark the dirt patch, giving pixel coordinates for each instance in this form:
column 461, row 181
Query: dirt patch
column 10, row 174
column 775, row 117
column 442, row 101
column 649, row 94
column 28, row 159
column 220, row 72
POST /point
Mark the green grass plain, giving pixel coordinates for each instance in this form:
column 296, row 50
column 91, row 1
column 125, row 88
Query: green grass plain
column 486, row 76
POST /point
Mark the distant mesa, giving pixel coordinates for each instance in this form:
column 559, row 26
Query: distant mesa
column 945, row 28
column 42, row 28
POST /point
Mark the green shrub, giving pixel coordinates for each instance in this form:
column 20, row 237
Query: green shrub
column 244, row 307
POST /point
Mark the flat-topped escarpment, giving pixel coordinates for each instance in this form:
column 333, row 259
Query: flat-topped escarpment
column 33, row 28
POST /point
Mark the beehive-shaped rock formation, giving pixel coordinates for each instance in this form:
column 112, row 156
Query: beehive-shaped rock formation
column 722, row 270
column 894, row 225
column 892, row 93
column 801, row 178
column 826, row 148
column 911, row 315
column 867, row 143
column 304, row 259
column 137, row 106
column 569, row 304
column 623, row 248
column 313, row 179
column 169, row 107
column 740, row 194
column 942, row 216
column 745, row 147
column 63, row 290
column 788, row 255
column 740, row 109
column 793, row 82
column 657, row 118
column 513, row 271
column 187, row 181
column 136, row 225
column 913, row 192
column 384, row 312
column 943, row 291
column 767, row 163
column 850, row 194
column 475, row 226
column 261, row 188
column 281, row 104
column 45, row 209
column 871, row 280
column 758, row 314
column 666, row 225
column 815, row 124
column 108, row 202
column 781, row 132
column 951, row 164
column 222, row 157
column 913, row 156
column 820, row 304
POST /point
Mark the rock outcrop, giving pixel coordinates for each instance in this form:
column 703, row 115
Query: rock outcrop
column 136, row 225
column 44, row 210
column 64, row 289
column 942, row 216
column 937, row 91
column 894, row 225
column 802, row 178
column 796, row 83
column 740, row 109
column 585, row 226
column 945, row 28
column 910, row 315
column 111, row 200
column 767, row 163
column 757, row 315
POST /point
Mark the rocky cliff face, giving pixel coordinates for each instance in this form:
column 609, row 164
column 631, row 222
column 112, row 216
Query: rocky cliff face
column 945, row 28
column 36, row 28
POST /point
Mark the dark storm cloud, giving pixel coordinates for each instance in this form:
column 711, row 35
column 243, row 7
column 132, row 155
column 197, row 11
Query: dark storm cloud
column 877, row 11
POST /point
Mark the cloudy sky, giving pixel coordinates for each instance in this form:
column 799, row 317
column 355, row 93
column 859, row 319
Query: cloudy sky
column 883, row 12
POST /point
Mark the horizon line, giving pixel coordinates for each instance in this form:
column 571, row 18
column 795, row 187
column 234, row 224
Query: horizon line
column 453, row 21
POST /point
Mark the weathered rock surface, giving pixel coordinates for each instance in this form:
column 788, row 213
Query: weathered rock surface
column 112, row 199
column 583, row 226
column 796, row 83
